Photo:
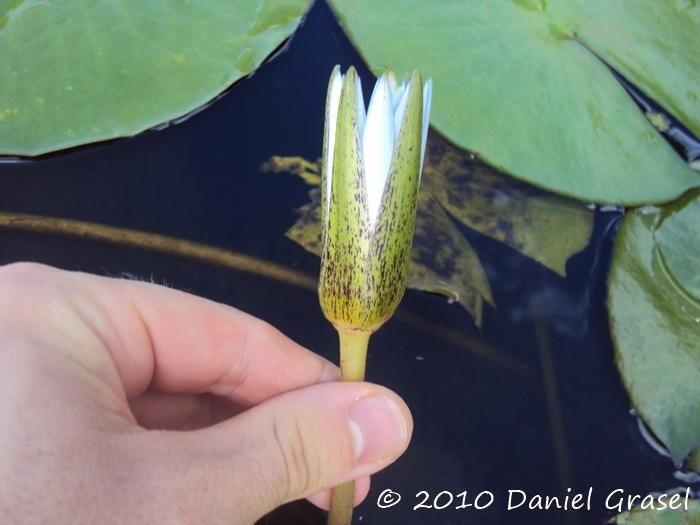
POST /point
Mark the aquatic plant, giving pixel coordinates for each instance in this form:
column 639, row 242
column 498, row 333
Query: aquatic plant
column 370, row 176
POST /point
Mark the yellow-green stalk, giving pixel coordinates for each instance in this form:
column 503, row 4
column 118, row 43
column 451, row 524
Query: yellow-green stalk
column 370, row 176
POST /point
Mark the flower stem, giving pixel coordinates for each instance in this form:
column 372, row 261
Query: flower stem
column 353, row 356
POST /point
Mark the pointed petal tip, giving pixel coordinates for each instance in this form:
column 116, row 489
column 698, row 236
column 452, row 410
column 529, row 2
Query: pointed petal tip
column 335, row 85
column 381, row 80
column 393, row 79
column 336, row 76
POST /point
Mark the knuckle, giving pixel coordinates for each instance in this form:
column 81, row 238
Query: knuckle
column 19, row 269
column 18, row 282
column 26, row 275
column 19, row 275
column 300, row 451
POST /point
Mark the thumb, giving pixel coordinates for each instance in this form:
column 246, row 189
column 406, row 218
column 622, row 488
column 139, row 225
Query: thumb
column 289, row 447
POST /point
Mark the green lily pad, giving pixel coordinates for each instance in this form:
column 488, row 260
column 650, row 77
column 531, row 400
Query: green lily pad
column 657, row 516
column 653, row 44
column 694, row 460
column 84, row 71
column 454, row 186
column 523, row 84
column 655, row 322
column 677, row 238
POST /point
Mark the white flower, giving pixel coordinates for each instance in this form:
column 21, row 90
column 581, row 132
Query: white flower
column 378, row 130
column 372, row 162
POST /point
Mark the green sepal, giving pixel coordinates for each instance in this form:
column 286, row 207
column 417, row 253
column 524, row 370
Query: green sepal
column 390, row 248
column 342, row 288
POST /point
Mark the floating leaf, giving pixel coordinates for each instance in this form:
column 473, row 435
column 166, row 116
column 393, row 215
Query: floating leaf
column 78, row 72
column 659, row 516
column 675, row 132
column 542, row 226
column 655, row 322
column 694, row 461
column 522, row 84
column 653, row 44
column 677, row 238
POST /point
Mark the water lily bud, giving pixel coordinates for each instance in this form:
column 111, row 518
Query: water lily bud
column 371, row 170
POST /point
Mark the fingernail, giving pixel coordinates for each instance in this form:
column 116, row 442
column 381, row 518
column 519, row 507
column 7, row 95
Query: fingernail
column 378, row 428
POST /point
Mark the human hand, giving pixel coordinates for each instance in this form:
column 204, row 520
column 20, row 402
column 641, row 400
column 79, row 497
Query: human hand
column 127, row 402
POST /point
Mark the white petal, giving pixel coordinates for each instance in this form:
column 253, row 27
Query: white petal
column 331, row 128
column 378, row 145
column 393, row 81
column 397, row 95
column 427, row 99
column 361, row 113
column 400, row 106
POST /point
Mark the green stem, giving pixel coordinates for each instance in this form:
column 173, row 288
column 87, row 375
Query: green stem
column 353, row 356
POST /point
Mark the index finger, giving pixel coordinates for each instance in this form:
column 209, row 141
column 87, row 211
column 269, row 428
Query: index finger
column 167, row 340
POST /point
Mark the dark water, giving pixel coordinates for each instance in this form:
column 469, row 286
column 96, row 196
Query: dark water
column 548, row 415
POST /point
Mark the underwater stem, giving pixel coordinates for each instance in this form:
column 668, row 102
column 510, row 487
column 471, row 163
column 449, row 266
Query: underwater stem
column 353, row 356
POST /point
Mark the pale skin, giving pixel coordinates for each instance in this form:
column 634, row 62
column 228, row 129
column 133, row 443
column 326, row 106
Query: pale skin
column 128, row 402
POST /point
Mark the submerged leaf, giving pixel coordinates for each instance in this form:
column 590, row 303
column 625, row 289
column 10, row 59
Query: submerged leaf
column 542, row 226
column 444, row 262
column 655, row 322
column 307, row 230
column 525, row 84
column 78, row 72
column 306, row 170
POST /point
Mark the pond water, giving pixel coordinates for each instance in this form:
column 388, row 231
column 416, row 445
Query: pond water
column 532, row 401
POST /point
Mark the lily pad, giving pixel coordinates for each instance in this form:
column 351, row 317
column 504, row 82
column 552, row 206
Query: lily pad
column 655, row 321
column 455, row 186
column 677, row 238
column 524, row 84
column 657, row 516
column 82, row 71
column 694, row 461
